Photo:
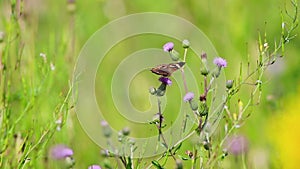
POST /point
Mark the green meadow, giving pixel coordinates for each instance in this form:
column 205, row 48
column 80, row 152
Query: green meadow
column 40, row 42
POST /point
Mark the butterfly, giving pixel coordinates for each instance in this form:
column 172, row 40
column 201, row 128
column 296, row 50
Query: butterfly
column 167, row 69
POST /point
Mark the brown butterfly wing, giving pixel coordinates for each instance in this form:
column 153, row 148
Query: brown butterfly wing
column 167, row 69
column 162, row 70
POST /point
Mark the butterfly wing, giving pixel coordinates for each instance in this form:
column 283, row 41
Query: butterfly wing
column 167, row 69
column 161, row 70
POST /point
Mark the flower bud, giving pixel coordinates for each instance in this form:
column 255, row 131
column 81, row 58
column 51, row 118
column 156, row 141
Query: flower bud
column 104, row 153
column 204, row 71
column 69, row 162
column 202, row 98
column 217, row 72
column 174, row 55
column 193, row 105
column 152, row 90
column 204, row 57
column 203, row 110
column 229, row 84
column 185, row 43
column 126, row 131
column 106, row 129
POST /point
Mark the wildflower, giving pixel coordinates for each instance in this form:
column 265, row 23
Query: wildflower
column 188, row 97
column 204, row 56
column 43, row 55
column 165, row 81
column 106, row 129
column 94, row 167
column 104, row 123
column 59, row 123
column 60, row 152
column 52, row 67
column 168, row 47
column 237, row 145
column 229, row 84
column 185, row 43
column 220, row 62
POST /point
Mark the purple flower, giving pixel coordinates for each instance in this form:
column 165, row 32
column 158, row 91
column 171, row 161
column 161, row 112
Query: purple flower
column 220, row 62
column 168, row 47
column 60, row 152
column 94, row 167
column 188, row 97
column 104, row 123
column 237, row 145
column 165, row 80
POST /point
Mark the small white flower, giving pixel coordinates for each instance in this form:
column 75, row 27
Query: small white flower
column 52, row 67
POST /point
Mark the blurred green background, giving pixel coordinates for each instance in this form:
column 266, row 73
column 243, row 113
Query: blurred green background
column 60, row 29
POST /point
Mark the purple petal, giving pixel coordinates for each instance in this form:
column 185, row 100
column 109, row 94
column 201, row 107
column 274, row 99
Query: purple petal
column 165, row 80
column 220, row 62
column 60, row 152
column 168, row 46
column 94, row 167
column 188, row 97
column 237, row 145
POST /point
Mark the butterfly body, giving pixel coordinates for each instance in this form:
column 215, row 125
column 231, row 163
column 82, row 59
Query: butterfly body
column 167, row 69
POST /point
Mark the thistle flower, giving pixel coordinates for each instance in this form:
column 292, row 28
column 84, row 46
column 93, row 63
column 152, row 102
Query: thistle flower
column 188, row 97
column 168, row 47
column 165, row 80
column 94, row 167
column 60, row 152
column 237, row 145
column 104, row 123
column 220, row 62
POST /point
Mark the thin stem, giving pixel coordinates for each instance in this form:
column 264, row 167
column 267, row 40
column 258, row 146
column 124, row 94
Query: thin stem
column 184, row 55
column 159, row 127
column 184, row 81
column 194, row 159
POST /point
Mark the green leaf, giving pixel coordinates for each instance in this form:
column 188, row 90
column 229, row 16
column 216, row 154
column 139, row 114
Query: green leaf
column 156, row 164
column 129, row 164
column 183, row 158
column 177, row 148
